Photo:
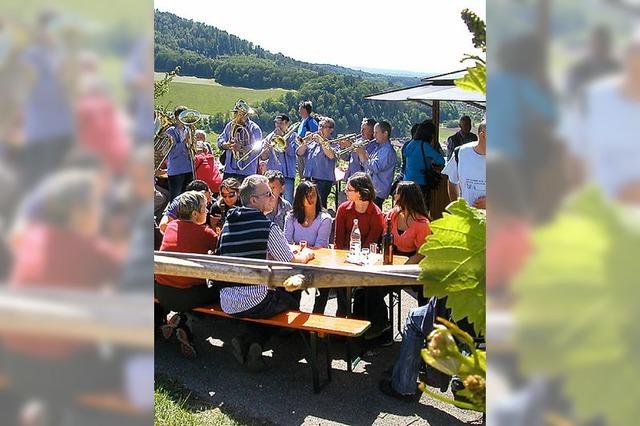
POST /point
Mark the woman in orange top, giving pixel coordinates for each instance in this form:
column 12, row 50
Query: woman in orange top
column 409, row 221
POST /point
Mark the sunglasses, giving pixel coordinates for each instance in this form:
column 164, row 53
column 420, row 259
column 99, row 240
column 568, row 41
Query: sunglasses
column 230, row 195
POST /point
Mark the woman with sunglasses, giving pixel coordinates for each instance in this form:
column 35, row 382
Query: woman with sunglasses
column 228, row 199
column 306, row 221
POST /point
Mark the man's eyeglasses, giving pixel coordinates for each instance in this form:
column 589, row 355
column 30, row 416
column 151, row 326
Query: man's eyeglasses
column 230, row 195
column 268, row 193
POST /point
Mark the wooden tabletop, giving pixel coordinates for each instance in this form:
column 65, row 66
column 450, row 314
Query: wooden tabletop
column 338, row 258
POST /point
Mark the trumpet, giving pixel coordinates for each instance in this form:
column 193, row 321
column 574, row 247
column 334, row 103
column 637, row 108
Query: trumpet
column 361, row 143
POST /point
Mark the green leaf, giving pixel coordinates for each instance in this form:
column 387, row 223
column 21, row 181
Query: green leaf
column 584, row 272
column 454, row 262
column 475, row 79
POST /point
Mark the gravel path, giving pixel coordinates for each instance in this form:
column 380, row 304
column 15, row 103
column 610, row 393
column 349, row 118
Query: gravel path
column 283, row 394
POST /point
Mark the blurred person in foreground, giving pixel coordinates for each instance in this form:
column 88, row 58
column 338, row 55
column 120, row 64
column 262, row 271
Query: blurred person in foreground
column 267, row 242
column 612, row 161
column 60, row 249
column 48, row 117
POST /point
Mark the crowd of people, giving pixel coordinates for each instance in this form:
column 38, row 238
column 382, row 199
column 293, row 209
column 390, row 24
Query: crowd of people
column 257, row 211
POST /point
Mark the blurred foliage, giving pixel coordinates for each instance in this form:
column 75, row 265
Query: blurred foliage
column 454, row 262
column 577, row 302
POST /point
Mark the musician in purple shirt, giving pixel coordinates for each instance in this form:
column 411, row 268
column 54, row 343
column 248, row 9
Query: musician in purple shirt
column 285, row 162
column 366, row 132
column 320, row 159
column 179, row 163
column 249, row 134
column 380, row 164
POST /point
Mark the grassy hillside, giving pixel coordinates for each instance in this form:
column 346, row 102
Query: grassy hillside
column 209, row 97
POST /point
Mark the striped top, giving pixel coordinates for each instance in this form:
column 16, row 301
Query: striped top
column 248, row 233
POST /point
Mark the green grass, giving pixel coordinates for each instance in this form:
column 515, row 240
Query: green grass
column 209, row 97
column 175, row 406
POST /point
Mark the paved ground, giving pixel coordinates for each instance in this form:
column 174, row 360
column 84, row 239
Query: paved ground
column 283, row 395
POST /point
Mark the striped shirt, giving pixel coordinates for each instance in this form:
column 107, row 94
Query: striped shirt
column 244, row 236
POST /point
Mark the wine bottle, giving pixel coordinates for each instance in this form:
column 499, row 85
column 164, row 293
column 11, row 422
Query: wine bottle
column 387, row 245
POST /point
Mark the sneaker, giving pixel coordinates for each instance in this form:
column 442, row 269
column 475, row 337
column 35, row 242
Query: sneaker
column 376, row 331
column 239, row 350
column 435, row 378
column 186, row 346
column 173, row 319
column 386, row 388
column 255, row 361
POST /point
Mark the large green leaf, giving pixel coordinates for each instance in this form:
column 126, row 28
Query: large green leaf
column 475, row 79
column 454, row 262
column 578, row 303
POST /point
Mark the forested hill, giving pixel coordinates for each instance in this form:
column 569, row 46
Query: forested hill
column 200, row 49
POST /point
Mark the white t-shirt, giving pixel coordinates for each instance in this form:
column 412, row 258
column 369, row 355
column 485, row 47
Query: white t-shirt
column 604, row 135
column 470, row 175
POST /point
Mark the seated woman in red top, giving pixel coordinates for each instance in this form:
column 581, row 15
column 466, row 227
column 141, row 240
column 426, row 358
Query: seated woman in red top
column 188, row 234
column 409, row 221
column 368, row 302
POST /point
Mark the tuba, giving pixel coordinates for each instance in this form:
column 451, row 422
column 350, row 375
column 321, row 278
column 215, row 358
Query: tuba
column 239, row 133
column 189, row 117
column 162, row 143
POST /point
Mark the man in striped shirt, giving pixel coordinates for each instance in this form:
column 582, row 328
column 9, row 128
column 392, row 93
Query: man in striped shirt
column 247, row 232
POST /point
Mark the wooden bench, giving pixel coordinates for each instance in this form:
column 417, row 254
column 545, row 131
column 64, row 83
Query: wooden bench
column 317, row 326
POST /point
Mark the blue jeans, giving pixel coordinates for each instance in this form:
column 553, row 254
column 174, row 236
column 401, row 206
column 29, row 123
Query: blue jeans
column 418, row 326
column 289, row 186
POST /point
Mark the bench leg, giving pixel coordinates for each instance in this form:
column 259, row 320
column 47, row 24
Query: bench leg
column 313, row 361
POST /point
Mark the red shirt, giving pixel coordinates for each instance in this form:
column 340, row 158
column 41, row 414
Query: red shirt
column 183, row 236
column 370, row 223
column 207, row 170
column 411, row 238
column 50, row 257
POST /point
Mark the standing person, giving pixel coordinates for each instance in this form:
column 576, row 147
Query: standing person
column 47, row 115
column 467, row 171
column 320, row 159
column 281, row 206
column 206, row 167
column 267, row 242
column 246, row 134
column 285, row 161
column 188, row 234
column 423, row 157
column 309, row 124
column 179, row 165
column 381, row 163
column 366, row 132
column 306, row 221
column 462, row 136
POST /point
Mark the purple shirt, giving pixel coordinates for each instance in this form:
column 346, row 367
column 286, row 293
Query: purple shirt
column 284, row 161
column 178, row 160
column 317, row 165
column 250, row 165
column 355, row 165
column 316, row 235
column 381, row 167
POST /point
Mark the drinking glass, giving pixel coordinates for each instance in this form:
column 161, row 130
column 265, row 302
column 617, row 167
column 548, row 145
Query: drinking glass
column 303, row 244
column 365, row 256
column 373, row 248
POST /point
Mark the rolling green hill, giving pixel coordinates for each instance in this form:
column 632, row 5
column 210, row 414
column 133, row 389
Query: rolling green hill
column 209, row 97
